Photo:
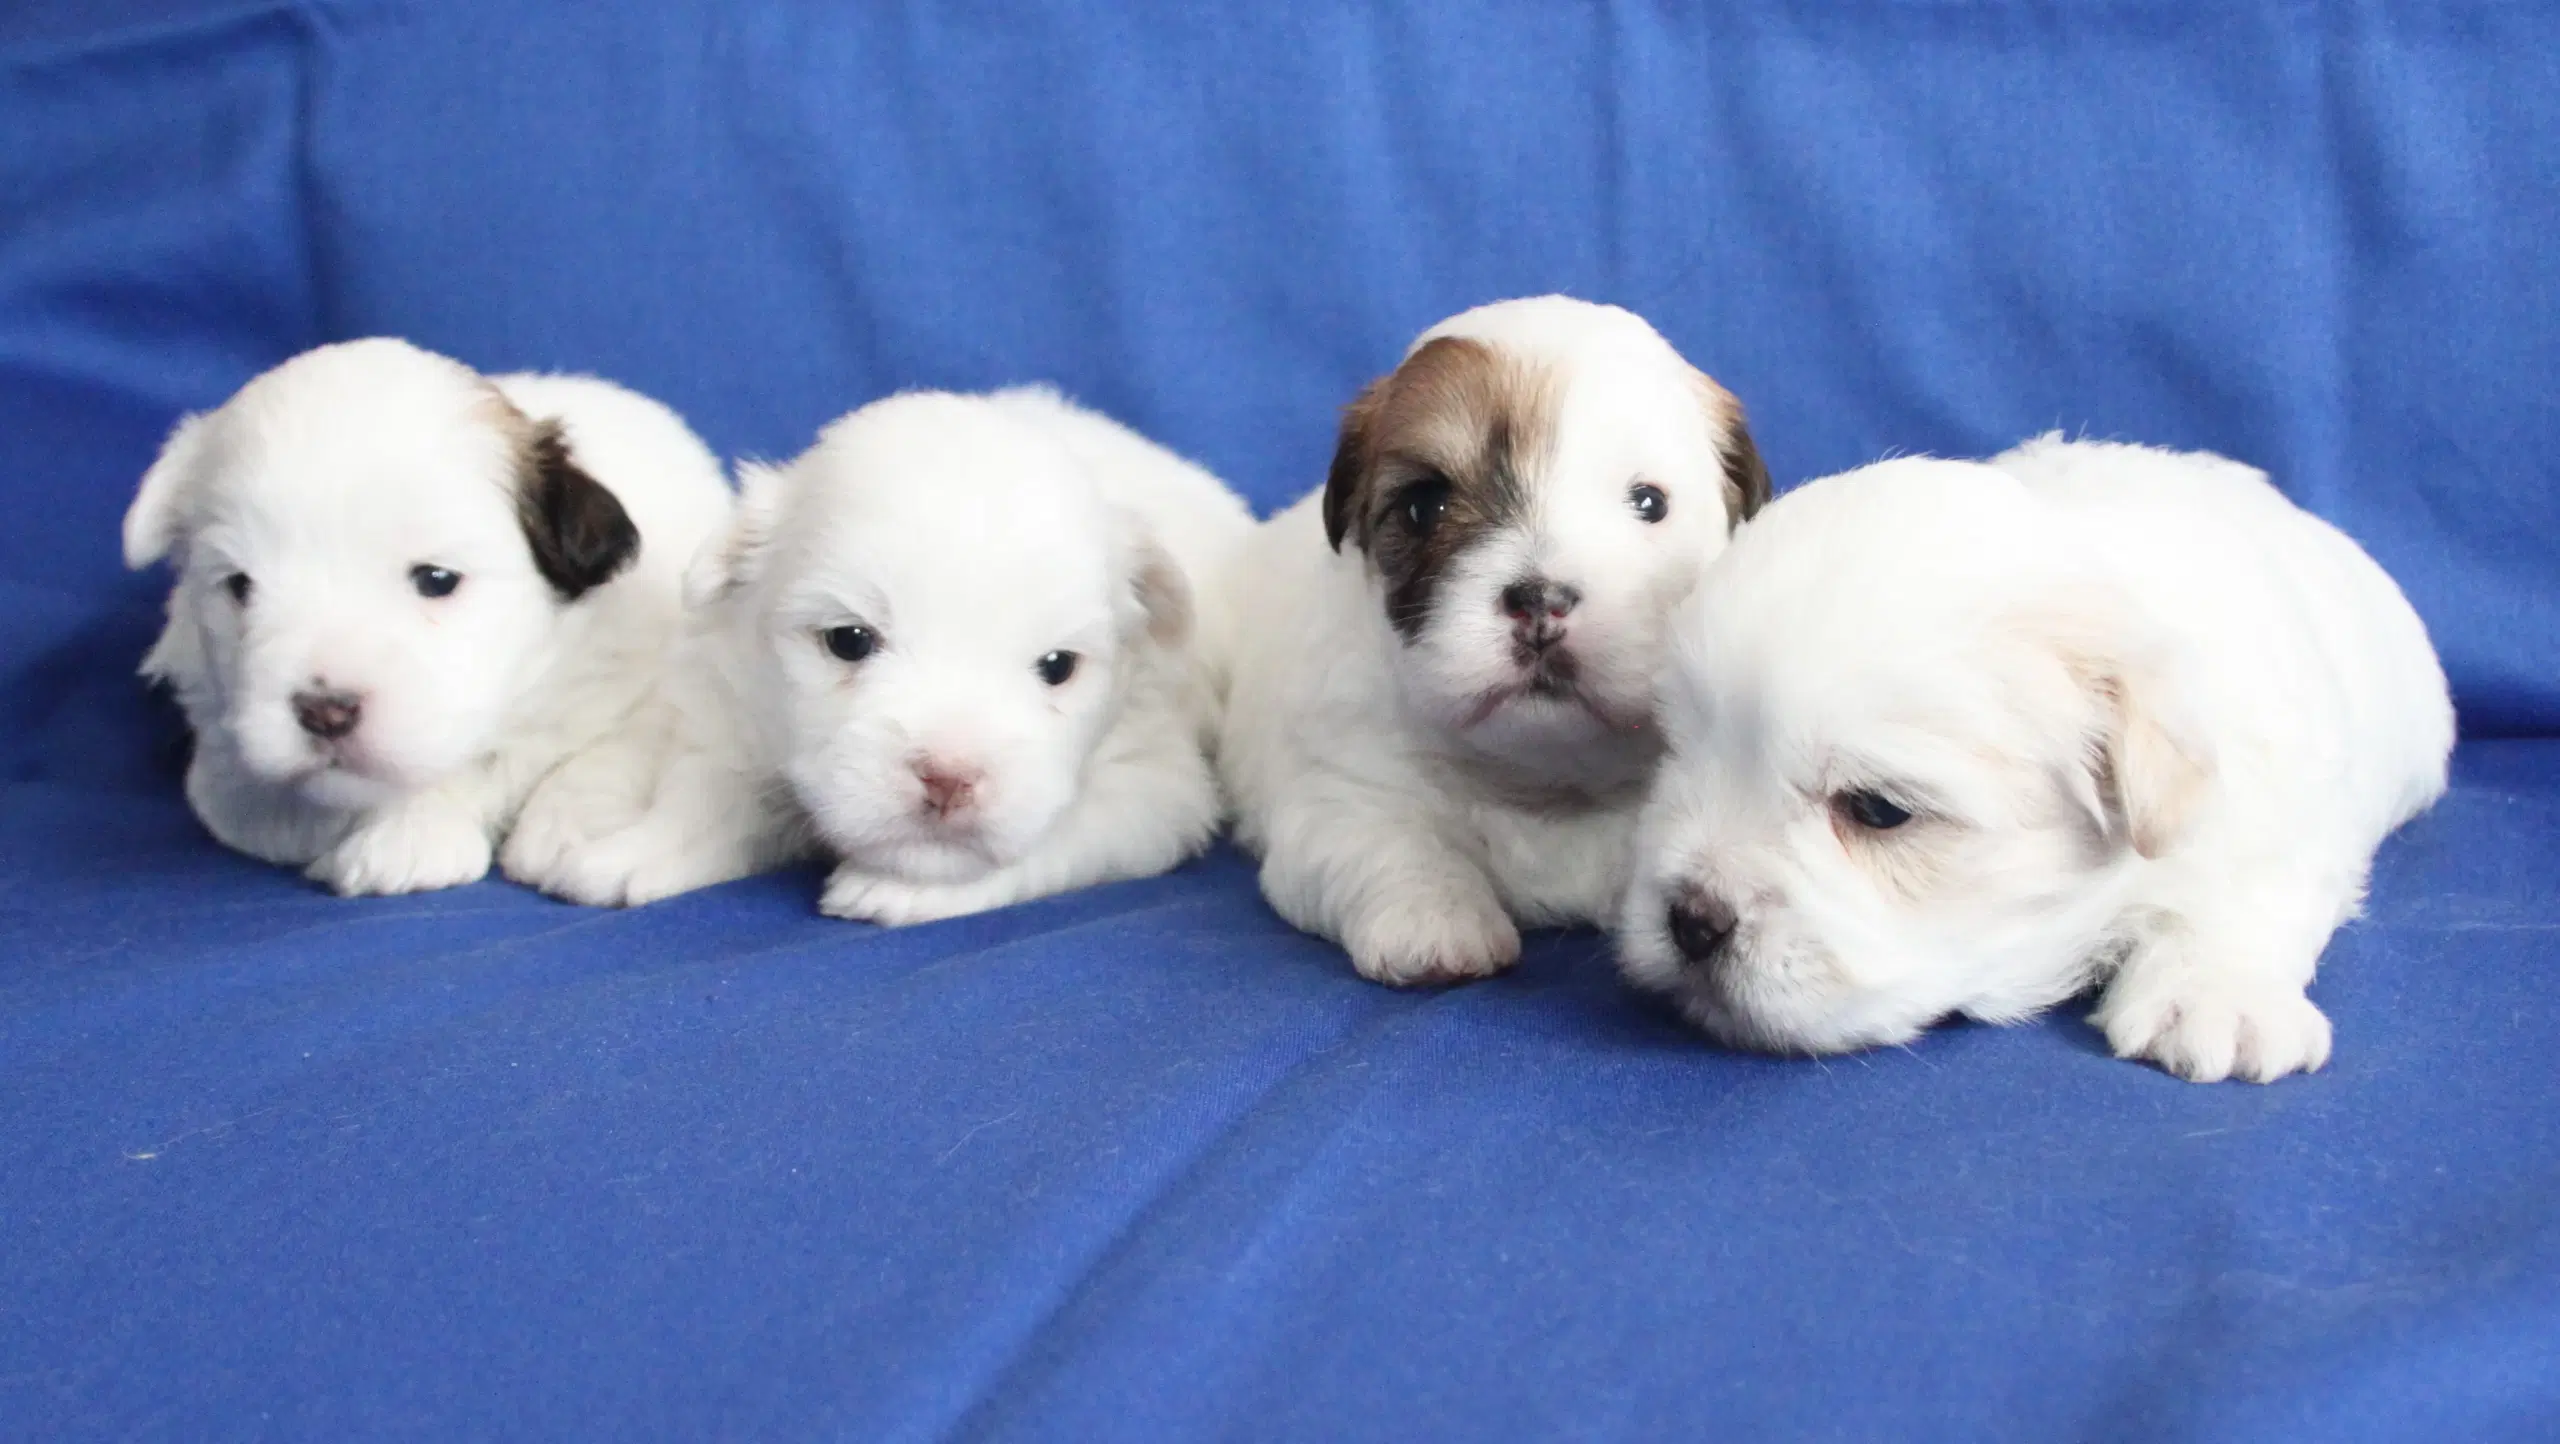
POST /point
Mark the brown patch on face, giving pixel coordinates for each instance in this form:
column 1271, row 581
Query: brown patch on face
column 1432, row 456
column 1746, row 479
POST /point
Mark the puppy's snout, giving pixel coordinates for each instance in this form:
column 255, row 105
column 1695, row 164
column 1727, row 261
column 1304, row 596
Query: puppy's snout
column 949, row 788
column 1701, row 928
column 328, row 714
column 1537, row 608
column 1535, row 599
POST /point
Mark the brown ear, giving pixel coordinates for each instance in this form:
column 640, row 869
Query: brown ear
column 1346, row 486
column 1746, row 480
column 2149, row 768
column 580, row 535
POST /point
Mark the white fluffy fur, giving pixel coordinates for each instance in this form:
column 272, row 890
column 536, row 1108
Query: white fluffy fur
column 1406, row 799
column 2150, row 721
column 324, row 482
column 973, row 535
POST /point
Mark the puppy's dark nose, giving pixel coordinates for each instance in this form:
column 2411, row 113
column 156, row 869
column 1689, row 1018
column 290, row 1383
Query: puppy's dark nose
column 1535, row 599
column 1701, row 927
column 328, row 715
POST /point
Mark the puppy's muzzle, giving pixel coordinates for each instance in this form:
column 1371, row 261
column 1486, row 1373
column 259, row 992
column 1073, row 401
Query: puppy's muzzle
column 949, row 789
column 328, row 714
column 1701, row 928
column 1537, row 609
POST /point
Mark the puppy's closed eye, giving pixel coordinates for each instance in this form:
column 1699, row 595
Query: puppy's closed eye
column 1870, row 810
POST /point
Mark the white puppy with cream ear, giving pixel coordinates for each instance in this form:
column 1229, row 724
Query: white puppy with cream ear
column 1441, row 723
column 957, row 645
column 1968, row 738
column 404, row 591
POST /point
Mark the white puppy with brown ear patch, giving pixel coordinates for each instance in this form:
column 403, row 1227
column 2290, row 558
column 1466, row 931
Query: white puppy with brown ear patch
column 955, row 645
column 1441, row 723
column 404, row 591
column 1961, row 738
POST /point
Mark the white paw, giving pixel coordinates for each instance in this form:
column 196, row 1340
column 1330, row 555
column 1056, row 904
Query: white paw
column 2206, row 1027
column 871, row 898
column 1455, row 936
column 413, row 850
column 540, row 844
column 637, row 865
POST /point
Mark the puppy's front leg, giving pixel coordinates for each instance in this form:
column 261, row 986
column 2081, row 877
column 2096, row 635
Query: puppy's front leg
column 1137, row 815
column 1378, row 873
column 2220, row 994
column 432, row 839
column 709, row 822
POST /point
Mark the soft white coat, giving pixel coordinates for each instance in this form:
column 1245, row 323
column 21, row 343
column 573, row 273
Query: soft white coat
column 1951, row 737
column 404, row 591
column 957, row 646
column 1441, row 724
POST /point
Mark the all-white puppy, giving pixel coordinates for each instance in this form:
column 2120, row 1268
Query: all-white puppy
column 1441, row 722
column 955, row 645
column 1961, row 738
column 404, row 591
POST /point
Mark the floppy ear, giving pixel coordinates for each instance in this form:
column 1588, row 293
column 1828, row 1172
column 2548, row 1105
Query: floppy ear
column 1346, row 485
column 579, row 532
column 735, row 557
column 151, row 523
column 1746, row 480
column 1163, row 592
column 2146, row 764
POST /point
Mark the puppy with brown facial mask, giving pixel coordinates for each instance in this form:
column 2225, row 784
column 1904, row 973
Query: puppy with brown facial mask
column 1441, row 719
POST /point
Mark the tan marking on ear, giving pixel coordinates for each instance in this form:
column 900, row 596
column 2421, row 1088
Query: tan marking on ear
column 1164, row 592
column 1746, row 478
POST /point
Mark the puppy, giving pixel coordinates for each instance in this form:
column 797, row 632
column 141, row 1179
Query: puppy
column 954, row 645
column 1959, row 738
column 404, row 591
column 1441, row 723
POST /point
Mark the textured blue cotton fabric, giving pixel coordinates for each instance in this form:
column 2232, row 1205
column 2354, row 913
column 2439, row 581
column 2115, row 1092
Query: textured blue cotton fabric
column 1140, row 1162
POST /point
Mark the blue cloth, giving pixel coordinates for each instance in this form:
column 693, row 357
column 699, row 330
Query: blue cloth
column 1141, row 1162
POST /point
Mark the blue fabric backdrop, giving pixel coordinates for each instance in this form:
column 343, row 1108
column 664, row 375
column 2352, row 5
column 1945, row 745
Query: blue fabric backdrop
column 1140, row 1162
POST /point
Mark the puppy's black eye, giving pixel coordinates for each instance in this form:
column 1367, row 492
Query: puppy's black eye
column 850, row 643
column 1057, row 667
column 237, row 584
column 1649, row 501
column 434, row 581
column 1419, row 506
column 1872, row 810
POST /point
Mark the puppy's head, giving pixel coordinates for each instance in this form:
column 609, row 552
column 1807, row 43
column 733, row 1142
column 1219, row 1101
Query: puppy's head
column 948, row 613
column 372, row 547
column 1917, row 748
column 1532, row 489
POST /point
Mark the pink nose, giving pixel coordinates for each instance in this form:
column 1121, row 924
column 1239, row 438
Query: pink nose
column 947, row 788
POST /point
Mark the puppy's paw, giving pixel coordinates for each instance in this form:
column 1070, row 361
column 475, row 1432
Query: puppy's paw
column 2205, row 1027
column 539, row 846
column 415, row 849
column 871, row 898
column 1452, row 936
column 640, row 864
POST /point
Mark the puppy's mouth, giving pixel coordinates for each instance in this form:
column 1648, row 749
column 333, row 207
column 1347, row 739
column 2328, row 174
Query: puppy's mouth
column 1548, row 677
